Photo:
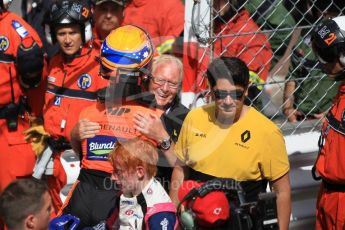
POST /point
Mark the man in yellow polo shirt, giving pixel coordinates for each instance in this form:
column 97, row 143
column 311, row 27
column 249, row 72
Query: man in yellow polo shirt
column 227, row 139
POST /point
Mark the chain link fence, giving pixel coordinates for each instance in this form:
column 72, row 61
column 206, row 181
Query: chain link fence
column 273, row 38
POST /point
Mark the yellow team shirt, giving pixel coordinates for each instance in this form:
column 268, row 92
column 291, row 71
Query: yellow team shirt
column 251, row 149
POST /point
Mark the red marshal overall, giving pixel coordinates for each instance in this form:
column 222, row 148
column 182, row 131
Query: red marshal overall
column 330, row 165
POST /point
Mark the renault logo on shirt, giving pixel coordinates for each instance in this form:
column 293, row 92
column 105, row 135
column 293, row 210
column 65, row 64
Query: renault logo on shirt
column 245, row 136
column 99, row 147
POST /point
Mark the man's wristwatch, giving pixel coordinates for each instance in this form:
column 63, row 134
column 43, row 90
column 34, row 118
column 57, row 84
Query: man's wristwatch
column 165, row 144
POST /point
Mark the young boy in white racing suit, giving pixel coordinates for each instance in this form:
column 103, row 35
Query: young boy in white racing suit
column 143, row 204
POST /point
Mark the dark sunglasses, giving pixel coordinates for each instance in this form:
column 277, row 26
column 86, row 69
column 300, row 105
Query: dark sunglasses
column 234, row 94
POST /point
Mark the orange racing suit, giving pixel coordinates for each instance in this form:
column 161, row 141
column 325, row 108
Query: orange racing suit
column 94, row 194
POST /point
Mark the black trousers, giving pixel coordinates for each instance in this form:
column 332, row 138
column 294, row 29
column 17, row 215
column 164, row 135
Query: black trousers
column 91, row 203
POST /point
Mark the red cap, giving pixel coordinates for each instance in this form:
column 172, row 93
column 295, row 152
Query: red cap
column 208, row 209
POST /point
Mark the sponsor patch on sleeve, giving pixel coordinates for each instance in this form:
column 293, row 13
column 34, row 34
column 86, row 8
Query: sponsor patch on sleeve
column 162, row 220
column 19, row 29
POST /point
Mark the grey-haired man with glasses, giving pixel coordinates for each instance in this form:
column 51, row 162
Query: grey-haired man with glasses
column 165, row 83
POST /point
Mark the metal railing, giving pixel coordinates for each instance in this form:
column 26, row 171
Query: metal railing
column 295, row 81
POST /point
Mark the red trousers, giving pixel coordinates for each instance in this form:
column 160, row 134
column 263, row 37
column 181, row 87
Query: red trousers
column 17, row 159
column 330, row 210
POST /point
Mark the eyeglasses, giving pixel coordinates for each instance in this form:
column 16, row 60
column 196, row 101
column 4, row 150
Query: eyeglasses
column 234, row 94
column 160, row 82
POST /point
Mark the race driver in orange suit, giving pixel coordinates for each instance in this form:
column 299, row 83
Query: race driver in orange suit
column 126, row 56
column 21, row 65
column 328, row 43
column 73, row 81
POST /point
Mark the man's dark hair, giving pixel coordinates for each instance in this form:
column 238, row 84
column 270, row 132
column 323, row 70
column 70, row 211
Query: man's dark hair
column 230, row 68
column 21, row 198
